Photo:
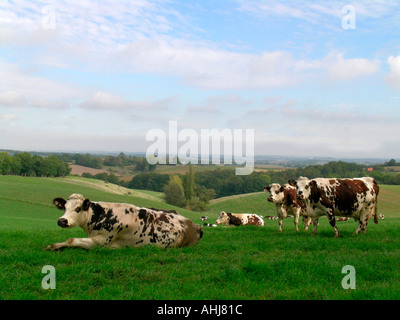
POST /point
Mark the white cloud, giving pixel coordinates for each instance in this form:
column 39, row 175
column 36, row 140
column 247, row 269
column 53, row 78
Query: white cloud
column 148, row 37
column 339, row 68
column 102, row 100
column 205, row 66
column 317, row 11
column 22, row 87
column 9, row 117
column 217, row 103
column 9, row 121
column 394, row 75
column 12, row 98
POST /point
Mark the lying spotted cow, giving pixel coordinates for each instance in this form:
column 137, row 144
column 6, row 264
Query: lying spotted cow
column 286, row 202
column 118, row 225
column 356, row 198
column 239, row 219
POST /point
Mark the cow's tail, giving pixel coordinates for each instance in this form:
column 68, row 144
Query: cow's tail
column 376, row 213
column 376, row 189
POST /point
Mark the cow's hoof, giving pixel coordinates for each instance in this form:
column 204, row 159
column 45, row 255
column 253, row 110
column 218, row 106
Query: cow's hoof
column 51, row 247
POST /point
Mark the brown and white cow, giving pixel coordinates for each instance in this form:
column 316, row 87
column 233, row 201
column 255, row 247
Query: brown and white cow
column 118, row 225
column 356, row 198
column 286, row 202
column 239, row 219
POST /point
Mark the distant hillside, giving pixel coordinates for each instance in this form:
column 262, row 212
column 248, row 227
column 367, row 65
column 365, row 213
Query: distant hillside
column 29, row 200
column 244, row 203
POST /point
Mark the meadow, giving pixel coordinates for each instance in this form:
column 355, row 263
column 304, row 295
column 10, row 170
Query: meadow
column 229, row 263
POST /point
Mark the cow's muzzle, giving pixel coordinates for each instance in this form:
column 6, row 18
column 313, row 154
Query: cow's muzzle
column 62, row 222
column 300, row 197
column 270, row 199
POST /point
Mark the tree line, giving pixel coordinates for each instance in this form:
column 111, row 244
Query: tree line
column 24, row 164
column 193, row 189
column 97, row 162
column 224, row 181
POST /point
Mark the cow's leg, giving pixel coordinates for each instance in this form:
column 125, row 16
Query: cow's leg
column 296, row 218
column 306, row 222
column 281, row 215
column 315, row 223
column 85, row 243
column 332, row 222
column 362, row 225
column 358, row 228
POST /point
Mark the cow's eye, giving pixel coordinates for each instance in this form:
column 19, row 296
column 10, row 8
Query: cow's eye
column 277, row 192
column 78, row 209
column 307, row 186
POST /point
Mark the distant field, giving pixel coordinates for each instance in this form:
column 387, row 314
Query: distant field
column 228, row 263
column 393, row 169
column 79, row 170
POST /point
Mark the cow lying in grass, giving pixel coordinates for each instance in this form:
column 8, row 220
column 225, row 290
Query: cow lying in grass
column 118, row 225
column 239, row 219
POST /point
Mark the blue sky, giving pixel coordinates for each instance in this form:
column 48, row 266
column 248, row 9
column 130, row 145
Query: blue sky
column 90, row 75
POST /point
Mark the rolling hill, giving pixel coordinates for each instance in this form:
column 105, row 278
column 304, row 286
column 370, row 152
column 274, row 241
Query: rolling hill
column 257, row 263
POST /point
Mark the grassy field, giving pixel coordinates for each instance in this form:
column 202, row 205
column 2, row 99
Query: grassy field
column 228, row 263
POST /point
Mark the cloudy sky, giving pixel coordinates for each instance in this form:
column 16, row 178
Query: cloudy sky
column 312, row 78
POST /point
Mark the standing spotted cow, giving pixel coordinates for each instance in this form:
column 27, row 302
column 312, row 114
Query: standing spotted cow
column 118, row 225
column 286, row 203
column 356, row 198
column 239, row 219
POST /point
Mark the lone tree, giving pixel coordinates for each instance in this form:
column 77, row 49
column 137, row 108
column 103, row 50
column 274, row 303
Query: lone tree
column 174, row 193
column 188, row 184
column 391, row 163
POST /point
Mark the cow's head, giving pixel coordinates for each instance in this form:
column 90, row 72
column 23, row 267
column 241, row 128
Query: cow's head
column 276, row 191
column 223, row 218
column 227, row 218
column 303, row 187
column 73, row 210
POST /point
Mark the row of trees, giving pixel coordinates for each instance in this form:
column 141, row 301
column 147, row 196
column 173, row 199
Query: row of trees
column 25, row 164
column 122, row 160
column 111, row 178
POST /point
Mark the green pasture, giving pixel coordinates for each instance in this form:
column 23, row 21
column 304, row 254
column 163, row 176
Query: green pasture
column 228, row 263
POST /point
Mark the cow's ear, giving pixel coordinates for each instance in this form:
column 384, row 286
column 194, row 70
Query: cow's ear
column 292, row 183
column 86, row 205
column 313, row 183
column 268, row 188
column 59, row 203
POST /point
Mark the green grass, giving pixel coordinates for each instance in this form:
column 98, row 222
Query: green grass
column 228, row 263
